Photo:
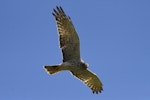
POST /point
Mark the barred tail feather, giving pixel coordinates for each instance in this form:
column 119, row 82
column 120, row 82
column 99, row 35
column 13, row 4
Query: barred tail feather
column 52, row 69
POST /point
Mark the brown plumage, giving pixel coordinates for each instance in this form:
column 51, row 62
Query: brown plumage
column 70, row 45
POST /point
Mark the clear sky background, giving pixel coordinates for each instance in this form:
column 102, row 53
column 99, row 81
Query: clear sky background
column 115, row 41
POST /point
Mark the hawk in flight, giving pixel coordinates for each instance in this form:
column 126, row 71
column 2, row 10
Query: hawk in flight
column 70, row 45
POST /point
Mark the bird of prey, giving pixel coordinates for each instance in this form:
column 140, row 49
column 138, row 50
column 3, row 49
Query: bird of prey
column 70, row 45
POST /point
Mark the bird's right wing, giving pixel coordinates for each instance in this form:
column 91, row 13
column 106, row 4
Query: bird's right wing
column 68, row 37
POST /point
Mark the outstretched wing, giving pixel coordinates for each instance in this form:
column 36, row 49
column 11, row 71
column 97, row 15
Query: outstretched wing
column 90, row 79
column 69, row 40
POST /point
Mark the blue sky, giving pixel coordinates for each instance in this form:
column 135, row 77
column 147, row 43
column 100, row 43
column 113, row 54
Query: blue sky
column 115, row 41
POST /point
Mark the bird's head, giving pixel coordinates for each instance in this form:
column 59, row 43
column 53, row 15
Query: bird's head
column 84, row 64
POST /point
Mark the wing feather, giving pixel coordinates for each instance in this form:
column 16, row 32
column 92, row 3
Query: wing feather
column 90, row 79
column 68, row 37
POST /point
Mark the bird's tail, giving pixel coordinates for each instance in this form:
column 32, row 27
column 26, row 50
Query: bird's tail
column 53, row 69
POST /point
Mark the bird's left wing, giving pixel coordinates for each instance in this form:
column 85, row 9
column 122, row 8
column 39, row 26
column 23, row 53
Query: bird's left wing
column 90, row 79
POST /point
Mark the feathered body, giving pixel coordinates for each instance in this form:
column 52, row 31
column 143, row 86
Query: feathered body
column 70, row 45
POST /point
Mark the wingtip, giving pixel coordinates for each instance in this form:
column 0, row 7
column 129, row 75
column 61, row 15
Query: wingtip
column 57, row 7
column 53, row 14
column 57, row 10
column 100, row 91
